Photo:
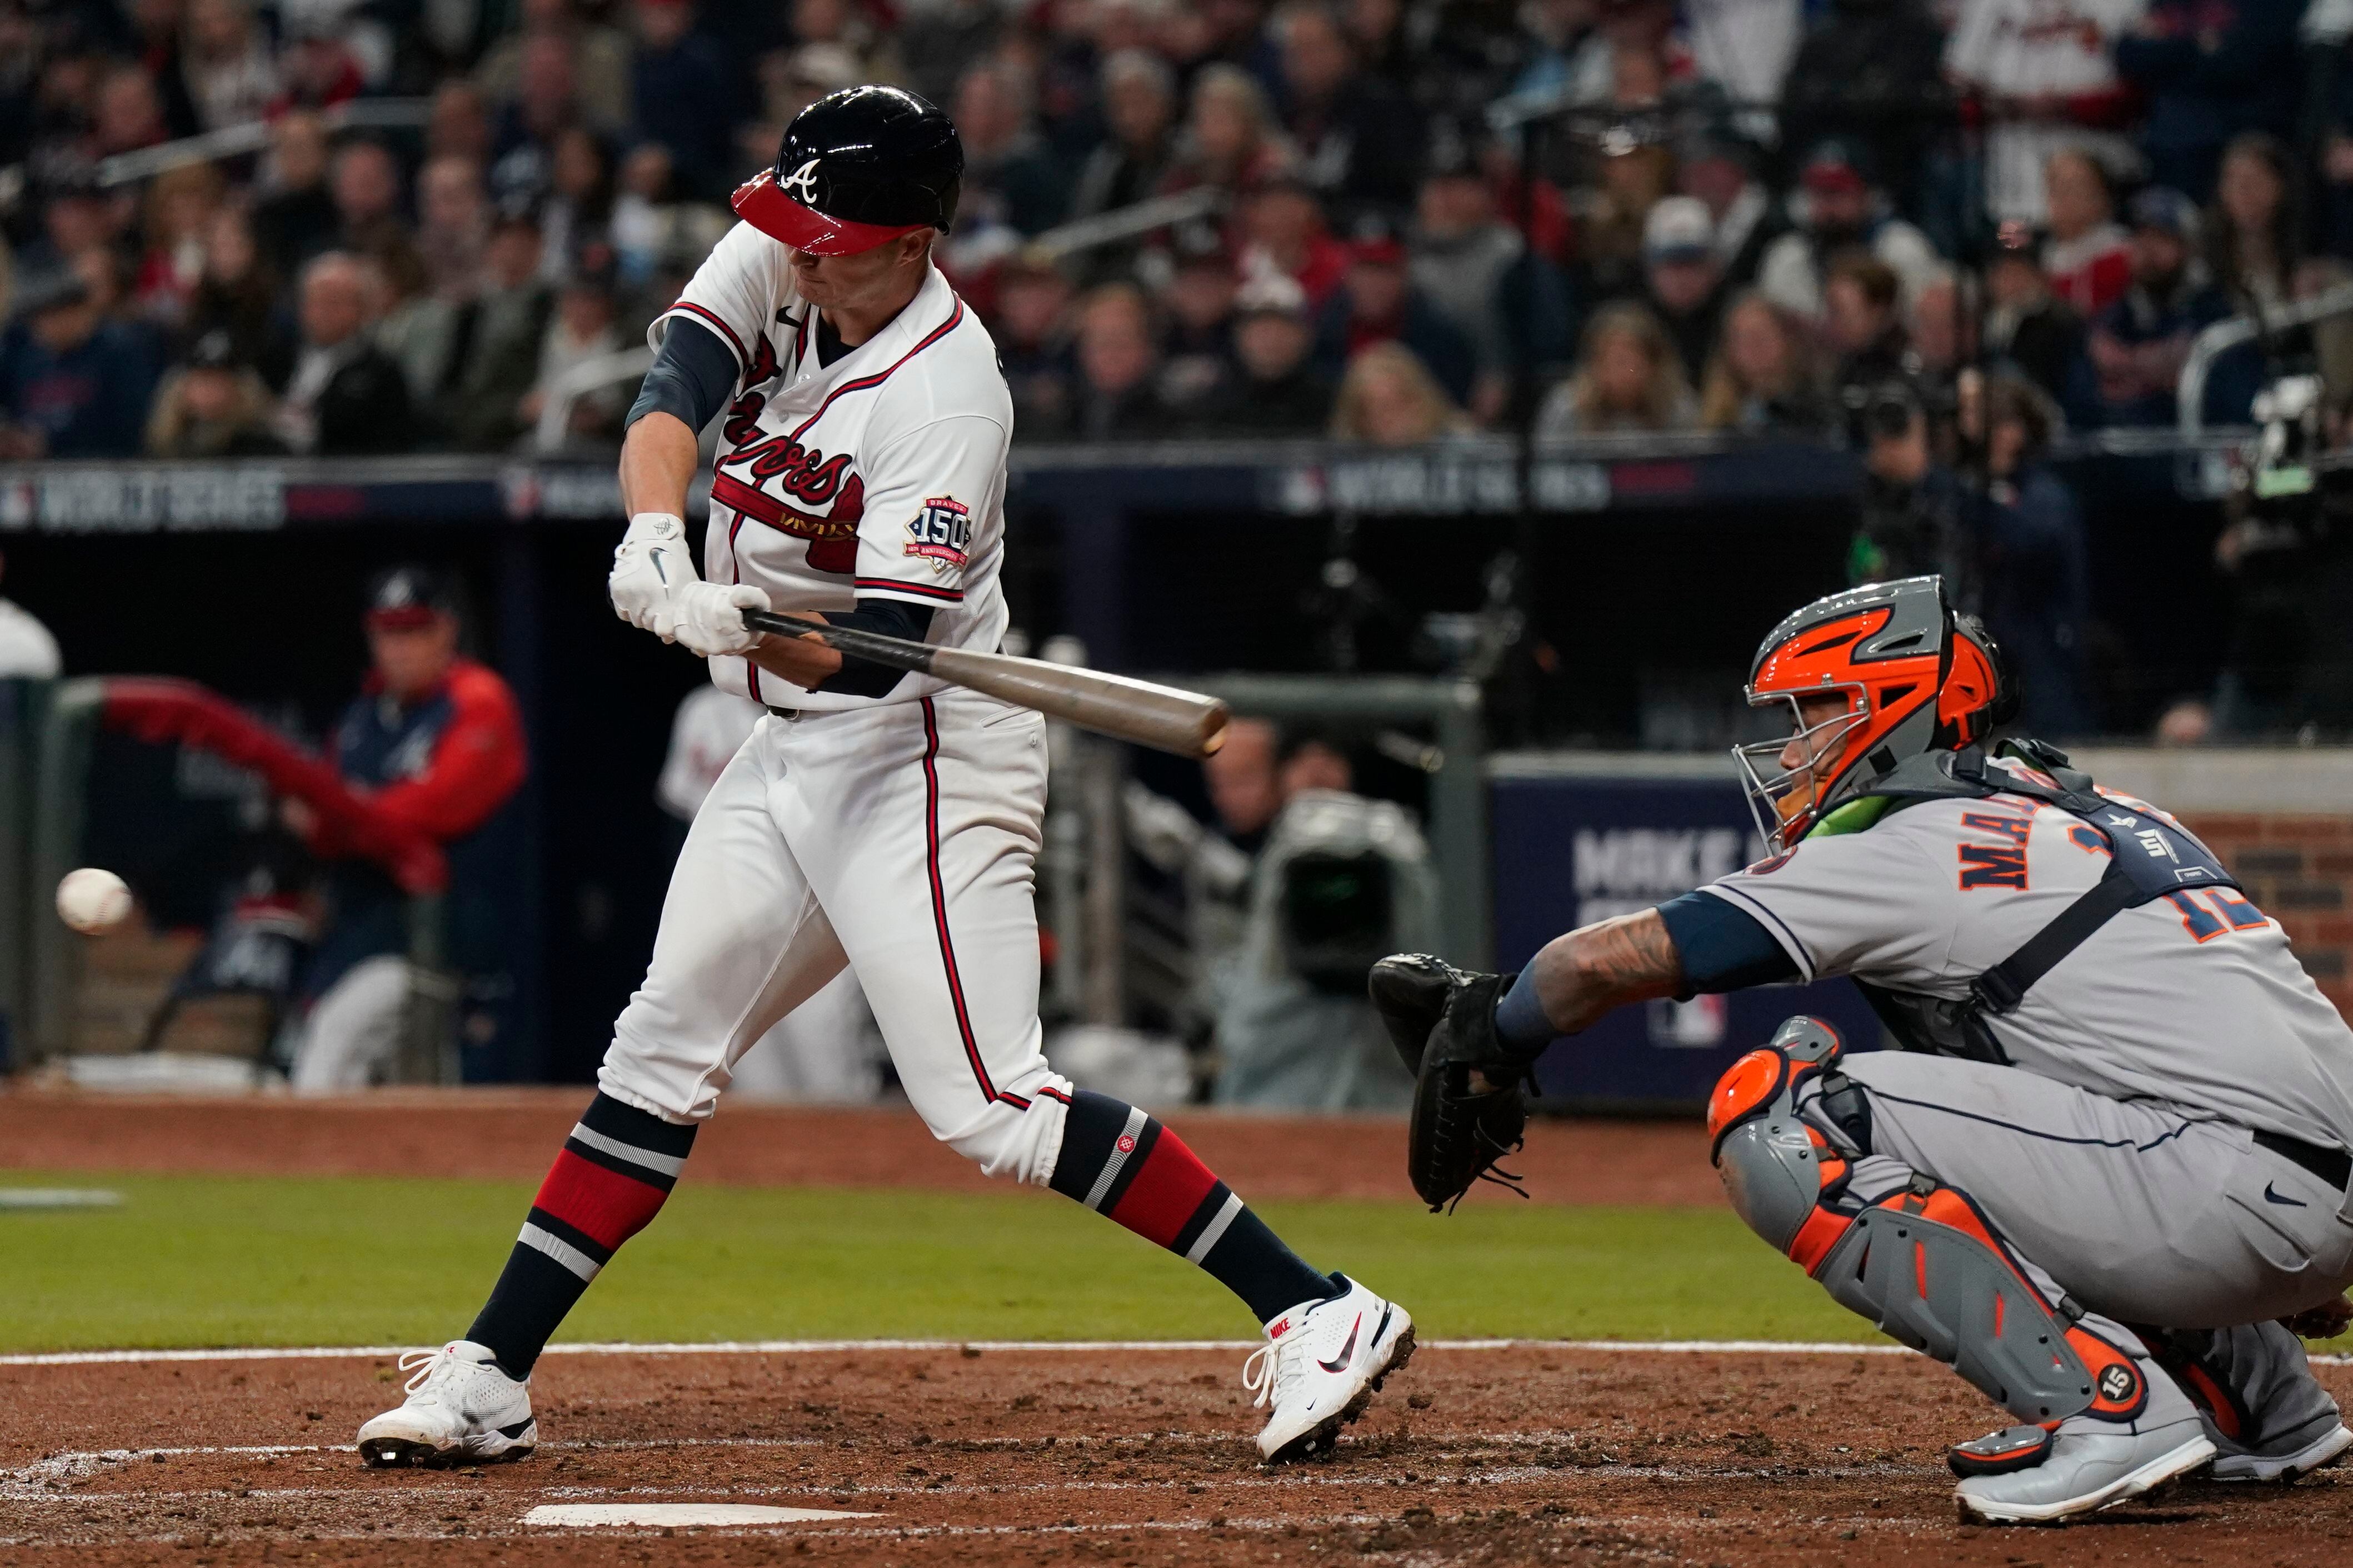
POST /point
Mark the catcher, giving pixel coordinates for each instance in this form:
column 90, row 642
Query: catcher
column 2105, row 1180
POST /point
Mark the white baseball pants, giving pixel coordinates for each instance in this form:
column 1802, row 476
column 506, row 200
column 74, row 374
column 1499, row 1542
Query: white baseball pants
column 899, row 840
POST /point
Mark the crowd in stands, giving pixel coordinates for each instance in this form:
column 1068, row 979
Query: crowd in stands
column 1738, row 214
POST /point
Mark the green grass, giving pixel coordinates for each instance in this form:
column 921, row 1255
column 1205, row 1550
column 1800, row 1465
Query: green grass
column 197, row 1261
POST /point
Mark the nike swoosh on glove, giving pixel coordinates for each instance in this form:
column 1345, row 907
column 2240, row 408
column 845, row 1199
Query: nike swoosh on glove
column 649, row 568
column 710, row 617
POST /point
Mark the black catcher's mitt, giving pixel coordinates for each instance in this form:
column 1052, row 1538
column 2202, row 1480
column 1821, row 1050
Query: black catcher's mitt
column 1469, row 1103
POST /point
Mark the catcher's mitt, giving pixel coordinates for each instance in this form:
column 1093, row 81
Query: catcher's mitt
column 1469, row 1103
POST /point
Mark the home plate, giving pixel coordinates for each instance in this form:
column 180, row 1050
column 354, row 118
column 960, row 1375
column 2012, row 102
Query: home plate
column 677, row 1513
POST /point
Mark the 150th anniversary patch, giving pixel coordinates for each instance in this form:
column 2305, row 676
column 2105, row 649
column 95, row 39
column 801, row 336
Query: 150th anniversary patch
column 942, row 533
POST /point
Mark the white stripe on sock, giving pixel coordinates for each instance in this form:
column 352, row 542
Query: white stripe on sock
column 1208, row 1238
column 560, row 1251
column 668, row 1164
column 1109, row 1173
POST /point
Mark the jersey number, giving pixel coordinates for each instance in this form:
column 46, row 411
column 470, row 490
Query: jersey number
column 2203, row 923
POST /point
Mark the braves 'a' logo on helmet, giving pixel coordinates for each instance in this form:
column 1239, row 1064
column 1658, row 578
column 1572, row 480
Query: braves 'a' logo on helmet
column 803, row 182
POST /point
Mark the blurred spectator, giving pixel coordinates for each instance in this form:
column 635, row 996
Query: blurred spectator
column 320, row 66
column 453, row 228
column 1862, row 326
column 1743, row 47
column 2040, row 335
column 939, row 40
column 1680, row 280
column 1198, row 349
column 1117, row 396
column 653, row 222
column 416, row 324
column 76, row 216
column 2032, row 558
column 1230, row 139
column 2138, row 346
column 2087, row 260
column 500, row 330
column 546, row 101
column 179, row 204
column 298, row 218
column 1719, row 167
column 1244, row 780
column 433, row 741
column 1139, row 104
column 2209, row 69
column 1941, row 322
column 237, row 294
column 1009, row 177
column 459, row 124
column 226, row 64
column 2252, row 227
column 1870, row 72
column 582, row 330
column 1841, row 210
column 72, row 383
column 1514, row 308
column 346, row 396
column 1378, row 303
column 1358, row 140
column 847, row 28
column 127, row 116
column 1033, row 344
column 1631, row 179
column 679, row 83
column 1908, row 526
column 367, row 186
column 1384, row 39
column 28, row 651
column 1628, row 377
column 1271, row 387
column 1759, row 380
column 1389, row 398
column 2046, row 76
column 1283, row 227
column 596, row 67
column 213, row 405
column 577, row 217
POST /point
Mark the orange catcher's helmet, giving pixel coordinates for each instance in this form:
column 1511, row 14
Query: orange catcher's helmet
column 1868, row 677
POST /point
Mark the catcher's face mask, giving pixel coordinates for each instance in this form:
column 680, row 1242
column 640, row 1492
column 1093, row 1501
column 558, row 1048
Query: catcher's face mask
column 1788, row 779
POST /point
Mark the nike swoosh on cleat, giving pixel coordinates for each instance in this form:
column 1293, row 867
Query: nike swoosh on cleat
column 2271, row 1196
column 1347, row 1352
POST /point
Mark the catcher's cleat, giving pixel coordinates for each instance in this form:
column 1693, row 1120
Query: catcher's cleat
column 2285, row 1457
column 2088, row 1463
column 1321, row 1365
column 462, row 1409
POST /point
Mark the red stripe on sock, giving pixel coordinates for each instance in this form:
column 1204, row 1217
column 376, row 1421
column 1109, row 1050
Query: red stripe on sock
column 605, row 1204
column 1163, row 1195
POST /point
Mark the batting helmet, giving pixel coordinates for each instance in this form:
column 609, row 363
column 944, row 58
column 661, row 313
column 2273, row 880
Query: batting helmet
column 1911, row 676
column 857, row 168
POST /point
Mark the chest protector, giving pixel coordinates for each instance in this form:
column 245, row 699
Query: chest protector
column 2148, row 858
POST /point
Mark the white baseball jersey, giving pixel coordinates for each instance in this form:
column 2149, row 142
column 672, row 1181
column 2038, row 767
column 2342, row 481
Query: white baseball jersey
column 879, row 476
column 2194, row 1000
column 2029, row 48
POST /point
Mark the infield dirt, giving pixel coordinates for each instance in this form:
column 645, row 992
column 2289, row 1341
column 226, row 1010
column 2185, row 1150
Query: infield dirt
column 1521, row 1454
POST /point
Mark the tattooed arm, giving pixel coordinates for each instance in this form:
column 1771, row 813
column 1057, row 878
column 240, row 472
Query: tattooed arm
column 1581, row 976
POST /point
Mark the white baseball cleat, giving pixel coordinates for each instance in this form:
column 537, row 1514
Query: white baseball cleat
column 1321, row 1365
column 462, row 1409
column 2285, row 1457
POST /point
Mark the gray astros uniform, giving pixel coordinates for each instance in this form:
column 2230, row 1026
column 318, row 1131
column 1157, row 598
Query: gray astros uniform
column 2115, row 1150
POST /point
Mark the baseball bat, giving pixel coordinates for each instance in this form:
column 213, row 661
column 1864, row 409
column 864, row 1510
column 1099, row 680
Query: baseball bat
column 1162, row 717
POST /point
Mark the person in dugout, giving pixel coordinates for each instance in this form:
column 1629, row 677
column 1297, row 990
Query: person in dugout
column 435, row 741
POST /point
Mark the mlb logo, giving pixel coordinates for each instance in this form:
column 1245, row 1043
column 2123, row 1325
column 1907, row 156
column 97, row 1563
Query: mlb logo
column 942, row 533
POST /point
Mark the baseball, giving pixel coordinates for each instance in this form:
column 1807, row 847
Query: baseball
column 92, row 900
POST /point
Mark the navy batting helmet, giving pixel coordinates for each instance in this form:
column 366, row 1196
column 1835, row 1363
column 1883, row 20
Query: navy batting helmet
column 857, row 168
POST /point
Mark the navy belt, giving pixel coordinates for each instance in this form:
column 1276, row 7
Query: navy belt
column 790, row 715
column 2334, row 1166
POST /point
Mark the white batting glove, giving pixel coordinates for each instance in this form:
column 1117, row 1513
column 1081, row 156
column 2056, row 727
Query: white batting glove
column 710, row 617
column 651, row 568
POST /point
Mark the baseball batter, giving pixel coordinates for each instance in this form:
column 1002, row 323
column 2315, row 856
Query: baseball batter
column 2114, row 1155
column 881, row 821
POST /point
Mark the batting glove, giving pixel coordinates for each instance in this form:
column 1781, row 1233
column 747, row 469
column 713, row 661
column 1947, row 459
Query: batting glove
column 710, row 617
column 649, row 569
